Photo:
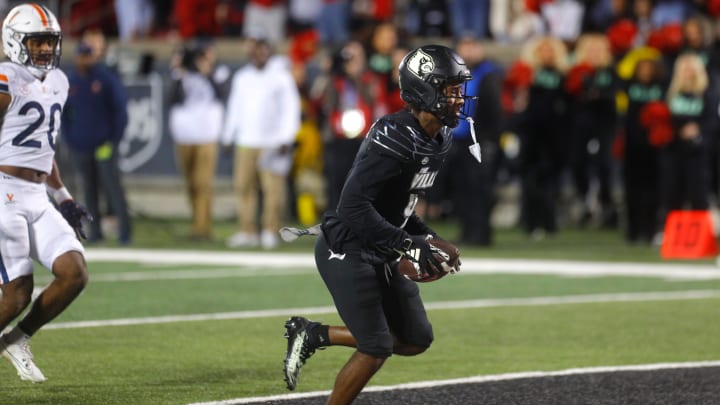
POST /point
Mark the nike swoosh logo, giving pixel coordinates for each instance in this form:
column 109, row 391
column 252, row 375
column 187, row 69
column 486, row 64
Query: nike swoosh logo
column 337, row 256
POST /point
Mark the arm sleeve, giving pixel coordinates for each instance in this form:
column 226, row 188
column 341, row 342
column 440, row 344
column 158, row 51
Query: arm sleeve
column 119, row 102
column 291, row 111
column 177, row 93
column 228, row 133
column 416, row 226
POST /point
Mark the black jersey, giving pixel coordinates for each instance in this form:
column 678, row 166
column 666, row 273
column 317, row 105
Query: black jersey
column 396, row 163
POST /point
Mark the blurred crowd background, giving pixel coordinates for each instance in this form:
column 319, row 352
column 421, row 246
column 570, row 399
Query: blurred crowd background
column 599, row 113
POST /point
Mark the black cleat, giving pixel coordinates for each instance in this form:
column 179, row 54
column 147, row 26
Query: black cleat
column 300, row 347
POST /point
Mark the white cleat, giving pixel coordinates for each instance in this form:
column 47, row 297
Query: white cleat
column 20, row 356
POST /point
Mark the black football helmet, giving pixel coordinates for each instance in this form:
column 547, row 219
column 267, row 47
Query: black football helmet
column 425, row 72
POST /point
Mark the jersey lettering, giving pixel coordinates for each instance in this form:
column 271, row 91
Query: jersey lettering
column 19, row 139
column 423, row 179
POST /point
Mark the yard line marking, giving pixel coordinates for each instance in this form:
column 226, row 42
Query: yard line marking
column 484, row 303
column 478, row 379
column 193, row 274
column 671, row 271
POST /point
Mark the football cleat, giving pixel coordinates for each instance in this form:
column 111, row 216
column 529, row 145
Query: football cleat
column 299, row 349
column 20, row 356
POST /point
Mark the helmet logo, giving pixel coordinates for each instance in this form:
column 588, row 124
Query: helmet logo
column 420, row 64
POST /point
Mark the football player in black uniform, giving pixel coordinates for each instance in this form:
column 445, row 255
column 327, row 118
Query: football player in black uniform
column 374, row 224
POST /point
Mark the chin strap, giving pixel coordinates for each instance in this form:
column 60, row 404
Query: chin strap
column 475, row 147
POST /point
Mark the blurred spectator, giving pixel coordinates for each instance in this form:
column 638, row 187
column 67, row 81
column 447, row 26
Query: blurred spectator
column 96, row 41
column 270, row 16
column 428, row 18
column 469, row 18
column 263, row 117
column 80, row 16
column 684, row 168
column 135, row 18
column 230, row 16
column 697, row 39
column 163, row 16
column 372, row 12
column 303, row 46
column 393, row 100
column 467, row 183
column 197, row 18
column 196, row 116
column 642, row 14
column 511, row 20
column 621, row 37
column 384, row 40
column 303, row 14
column 94, row 121
column 564, row 18
column 347, row 106
column 333, row 22
column 592, row 84
column 307, row 172
column 601, row 14
column 543, row 128
column 670, row 12
column 640, row 157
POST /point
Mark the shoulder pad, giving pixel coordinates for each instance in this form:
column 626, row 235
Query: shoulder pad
column 8, row 69
column 406, row 142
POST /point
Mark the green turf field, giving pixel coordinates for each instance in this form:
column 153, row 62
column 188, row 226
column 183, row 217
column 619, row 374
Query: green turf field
column 174, row 360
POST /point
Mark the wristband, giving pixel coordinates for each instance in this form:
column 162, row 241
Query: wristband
column 60, row 194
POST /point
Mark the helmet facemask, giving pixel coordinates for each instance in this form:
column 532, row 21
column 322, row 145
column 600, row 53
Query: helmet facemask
column 44, row 60
column 444, row 108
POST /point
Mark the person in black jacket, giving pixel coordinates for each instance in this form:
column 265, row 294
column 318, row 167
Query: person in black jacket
column 684, row 168
column 543, row 129
column 94, row 121
column 594, row 123
column 374, row 224
column 640, row 160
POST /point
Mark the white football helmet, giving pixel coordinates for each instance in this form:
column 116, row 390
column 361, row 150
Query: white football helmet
column 26, row 21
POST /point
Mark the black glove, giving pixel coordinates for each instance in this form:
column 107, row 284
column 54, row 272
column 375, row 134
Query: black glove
column 417, row 250
column 74, row 212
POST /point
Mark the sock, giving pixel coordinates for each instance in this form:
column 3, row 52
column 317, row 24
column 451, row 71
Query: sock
column 14, row 335
column 322, row 332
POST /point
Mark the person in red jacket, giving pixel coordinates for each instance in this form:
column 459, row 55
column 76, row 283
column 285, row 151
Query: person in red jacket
column 197, row 18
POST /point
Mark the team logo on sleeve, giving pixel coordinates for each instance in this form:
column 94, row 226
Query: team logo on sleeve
column 420, row 64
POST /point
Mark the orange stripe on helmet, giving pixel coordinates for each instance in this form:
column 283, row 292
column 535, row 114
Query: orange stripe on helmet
column 43, row 16
column 3, row 78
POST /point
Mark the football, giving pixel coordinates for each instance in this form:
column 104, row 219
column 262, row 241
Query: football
column 445, row 252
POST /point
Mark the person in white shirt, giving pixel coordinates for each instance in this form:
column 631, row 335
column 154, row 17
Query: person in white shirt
column 262, row 120
column 32, row 96
column 196, row 119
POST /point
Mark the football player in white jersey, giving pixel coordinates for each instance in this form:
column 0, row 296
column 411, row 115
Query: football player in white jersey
column 32, row 96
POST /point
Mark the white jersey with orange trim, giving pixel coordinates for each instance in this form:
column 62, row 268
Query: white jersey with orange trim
column 32, row 121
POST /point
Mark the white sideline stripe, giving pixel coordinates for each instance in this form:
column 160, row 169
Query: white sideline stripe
column 672, row 271
column 486, row 303
column 193, row 274
column 479, row 379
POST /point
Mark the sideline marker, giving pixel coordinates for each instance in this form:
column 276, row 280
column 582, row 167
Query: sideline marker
column 688, row 235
